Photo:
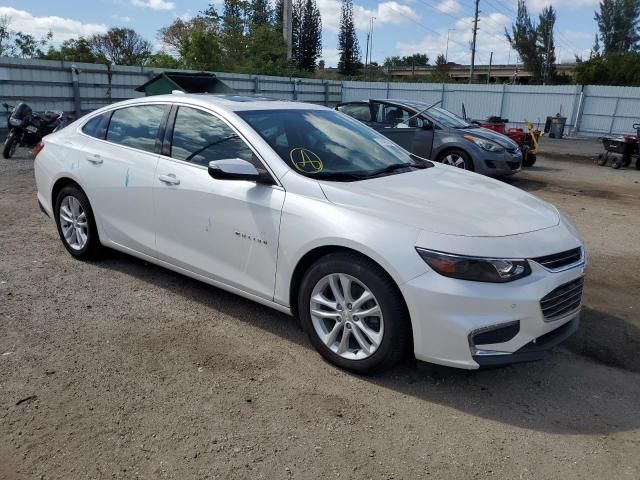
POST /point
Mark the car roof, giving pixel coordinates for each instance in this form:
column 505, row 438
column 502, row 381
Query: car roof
column 231, row 103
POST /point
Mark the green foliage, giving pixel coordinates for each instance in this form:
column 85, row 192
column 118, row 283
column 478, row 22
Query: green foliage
column 121, row 46
column 546, row 45
column 534, row 43
column 618, row 25
column 266, row 51
column 162, row 59
column 73, row 50
column 309, row 47
column 614, row 69
column 349, row 63
column 414, row 60
column 20, row 44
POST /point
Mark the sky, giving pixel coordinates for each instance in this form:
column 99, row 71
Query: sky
column 400, row 27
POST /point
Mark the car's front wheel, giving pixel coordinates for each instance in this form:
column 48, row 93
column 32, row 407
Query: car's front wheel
column 456, row 158
column 354, row 313
column 76, row 224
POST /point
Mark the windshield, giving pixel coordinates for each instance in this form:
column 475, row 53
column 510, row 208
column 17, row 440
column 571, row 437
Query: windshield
column 326, row 144
column 441, row 116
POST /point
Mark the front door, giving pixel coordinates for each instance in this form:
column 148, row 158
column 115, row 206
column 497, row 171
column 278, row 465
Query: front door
column 226, row 230
column 414, row 134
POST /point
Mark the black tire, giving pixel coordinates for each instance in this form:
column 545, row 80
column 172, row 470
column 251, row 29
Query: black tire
column 617, row 162
column 396, row 338
column 528, row 158
column 468, row 163
column 638, row 162
column 92, row 248
column 603, row 158
column 10, row 145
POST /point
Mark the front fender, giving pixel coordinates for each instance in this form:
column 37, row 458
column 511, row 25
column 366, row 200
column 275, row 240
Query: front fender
column 310, row 223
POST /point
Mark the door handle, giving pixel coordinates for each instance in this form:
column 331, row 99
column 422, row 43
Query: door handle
column 169, row 179
column 95, row 159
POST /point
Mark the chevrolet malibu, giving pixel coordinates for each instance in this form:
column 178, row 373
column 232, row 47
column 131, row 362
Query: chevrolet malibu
column 301, row 208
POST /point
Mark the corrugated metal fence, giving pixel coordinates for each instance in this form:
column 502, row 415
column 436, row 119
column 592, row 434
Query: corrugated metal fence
column 595, row 110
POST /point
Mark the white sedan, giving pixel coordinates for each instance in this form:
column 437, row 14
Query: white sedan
column 303, row 209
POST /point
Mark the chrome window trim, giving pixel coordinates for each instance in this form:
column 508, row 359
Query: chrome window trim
column 159, row 155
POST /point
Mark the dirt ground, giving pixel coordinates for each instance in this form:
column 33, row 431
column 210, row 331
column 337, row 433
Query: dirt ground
column 120, row 369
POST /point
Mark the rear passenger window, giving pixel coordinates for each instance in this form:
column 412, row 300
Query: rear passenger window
column 199, row 138
column 358, row 111
column 97, row 126
column 136, row 127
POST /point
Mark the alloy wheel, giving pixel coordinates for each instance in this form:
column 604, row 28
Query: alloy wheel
column 346, row 316
column 454, row 160
column 73, row 223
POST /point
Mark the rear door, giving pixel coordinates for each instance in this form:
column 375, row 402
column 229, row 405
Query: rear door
column 226, row 230
column 118, row 170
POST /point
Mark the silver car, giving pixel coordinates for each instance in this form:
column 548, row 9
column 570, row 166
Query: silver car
column 439, row 135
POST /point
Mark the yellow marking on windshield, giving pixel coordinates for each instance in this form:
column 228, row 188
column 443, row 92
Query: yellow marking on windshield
column 305, row 160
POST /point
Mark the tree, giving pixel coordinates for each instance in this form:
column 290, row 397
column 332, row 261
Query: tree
column 181, row 35
column 309, row 48
column 260, row 13
column 163, row 59
column 545, row 44
column 73, row 50
column 413, row 60
column 524, row 40
column 535, row 43
column 614, row 69
column 6, row 34
column 349, row 62
column 618, row 25
column 233, row 40
column 121, row 46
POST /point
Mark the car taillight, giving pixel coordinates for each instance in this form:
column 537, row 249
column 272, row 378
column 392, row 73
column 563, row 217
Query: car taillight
column 38, row 148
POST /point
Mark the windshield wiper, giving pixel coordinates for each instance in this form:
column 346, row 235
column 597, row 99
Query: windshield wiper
column 392, row 168
column 339, row 176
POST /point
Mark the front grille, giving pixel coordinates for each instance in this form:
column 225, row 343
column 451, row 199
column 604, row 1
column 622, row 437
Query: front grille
column 559, row 260
column 563, row 300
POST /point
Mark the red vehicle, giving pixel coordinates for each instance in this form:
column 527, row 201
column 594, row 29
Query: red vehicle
column 527, row 140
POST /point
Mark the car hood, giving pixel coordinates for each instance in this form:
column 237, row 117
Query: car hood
column 446, row 200
column 487, row 134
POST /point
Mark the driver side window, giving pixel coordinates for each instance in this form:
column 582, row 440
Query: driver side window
column 393, row 115
column 199, row 138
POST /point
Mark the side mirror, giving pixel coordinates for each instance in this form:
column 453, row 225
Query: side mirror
column 237, row 169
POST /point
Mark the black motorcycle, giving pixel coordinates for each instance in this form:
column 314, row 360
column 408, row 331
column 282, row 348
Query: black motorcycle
column 26, row 127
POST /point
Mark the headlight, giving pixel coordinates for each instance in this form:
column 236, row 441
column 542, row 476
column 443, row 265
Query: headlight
column 477, row 269
column 484, row 144
column 16, row 122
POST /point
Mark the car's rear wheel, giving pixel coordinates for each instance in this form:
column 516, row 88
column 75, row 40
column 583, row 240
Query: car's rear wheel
column 354, row 313
column 76, row 224
column 456, row 158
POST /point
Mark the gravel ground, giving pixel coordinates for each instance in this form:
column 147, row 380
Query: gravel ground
column 120, row 369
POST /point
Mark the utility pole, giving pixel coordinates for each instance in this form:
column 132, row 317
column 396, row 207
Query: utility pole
column 287, row 21
column 490, row 63
column 446, row 55
column 366, row 57
column 371, row 39
column 473, row 45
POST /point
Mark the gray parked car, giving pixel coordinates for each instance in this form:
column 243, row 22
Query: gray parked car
column 439, row 135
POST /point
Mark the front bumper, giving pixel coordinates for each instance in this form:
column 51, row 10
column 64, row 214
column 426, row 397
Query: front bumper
column 446, row 312
column 500, row 164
